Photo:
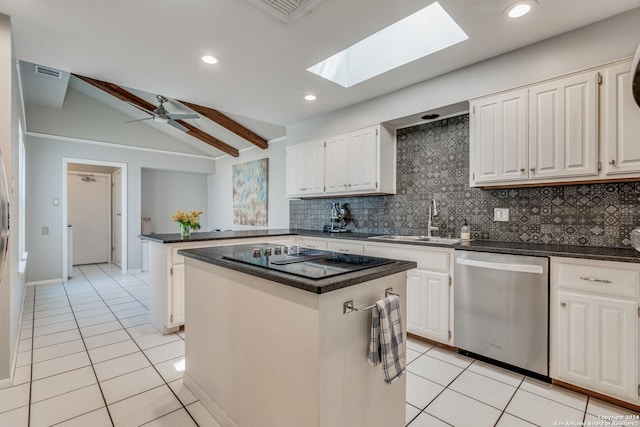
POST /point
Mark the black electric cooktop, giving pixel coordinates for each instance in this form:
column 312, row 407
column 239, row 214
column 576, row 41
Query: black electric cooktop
column 308, row 263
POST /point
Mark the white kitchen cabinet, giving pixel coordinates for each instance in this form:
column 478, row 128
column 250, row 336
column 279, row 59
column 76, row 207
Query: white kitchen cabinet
column 345, row 246
column 428, row 304
column 594, row 326
column 353, row 163
column 305, row 169
column 563, row 127
column 620, row 118
column 312, row 243
column 498, row 138
column 166, row 277
column 429, row 288
column 544, row 133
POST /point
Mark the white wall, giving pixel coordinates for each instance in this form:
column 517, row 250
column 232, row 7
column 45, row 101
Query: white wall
column 599, row 43
column 164, row 191
column 11, row 284
column 220, row 212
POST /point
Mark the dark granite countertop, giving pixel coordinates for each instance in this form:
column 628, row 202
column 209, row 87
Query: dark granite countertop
column 540, row 249
column 214, row 235
column 515, row 248
column 214, row 255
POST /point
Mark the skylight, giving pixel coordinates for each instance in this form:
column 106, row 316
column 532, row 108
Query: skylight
column 424, row 32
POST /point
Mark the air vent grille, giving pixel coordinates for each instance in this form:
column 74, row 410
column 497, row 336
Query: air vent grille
column 287, row 10
column 48, row 72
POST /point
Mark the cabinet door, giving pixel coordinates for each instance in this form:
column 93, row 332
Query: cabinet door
column 499, row 138
column 305, row 169
column 563, row 127
column 428, row 304
column 176, row 308
column 598, row 343
column 617, row 350
column 621, row 122
column 336, row 171
column 313, row 168
column 575, row 338
column 295, row 157
column 363, row 158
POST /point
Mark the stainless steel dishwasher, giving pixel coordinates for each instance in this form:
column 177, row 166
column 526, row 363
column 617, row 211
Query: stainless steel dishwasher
column 501, row 308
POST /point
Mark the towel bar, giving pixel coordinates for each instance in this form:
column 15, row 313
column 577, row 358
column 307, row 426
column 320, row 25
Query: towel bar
column 347, row 306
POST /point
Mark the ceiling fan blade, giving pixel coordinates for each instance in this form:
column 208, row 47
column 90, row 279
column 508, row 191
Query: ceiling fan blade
column 183, row 116
column 177, row 125
column 139, row 120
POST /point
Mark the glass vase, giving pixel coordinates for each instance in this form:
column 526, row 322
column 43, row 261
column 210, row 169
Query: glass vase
column 185, row 230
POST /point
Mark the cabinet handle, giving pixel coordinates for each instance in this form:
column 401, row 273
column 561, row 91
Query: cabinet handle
column 612, row 162
column 532, row 170
column 522, row 170
column 591, row 279
column 563, row 304
column 303, row 189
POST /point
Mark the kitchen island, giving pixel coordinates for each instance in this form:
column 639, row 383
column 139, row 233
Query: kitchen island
column 273, row 348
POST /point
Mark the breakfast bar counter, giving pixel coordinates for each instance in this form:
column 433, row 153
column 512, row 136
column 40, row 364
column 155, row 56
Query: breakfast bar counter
column 264, row 349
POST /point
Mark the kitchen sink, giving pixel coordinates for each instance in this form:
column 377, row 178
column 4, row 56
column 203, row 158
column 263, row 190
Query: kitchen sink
column 429, row 239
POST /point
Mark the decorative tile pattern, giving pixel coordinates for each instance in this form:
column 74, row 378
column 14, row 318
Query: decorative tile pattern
column 433, row 163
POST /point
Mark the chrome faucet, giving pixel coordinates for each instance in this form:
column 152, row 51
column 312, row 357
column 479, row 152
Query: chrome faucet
column 432, row 213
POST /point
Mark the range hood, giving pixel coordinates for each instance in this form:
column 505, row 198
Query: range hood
column 635, row 77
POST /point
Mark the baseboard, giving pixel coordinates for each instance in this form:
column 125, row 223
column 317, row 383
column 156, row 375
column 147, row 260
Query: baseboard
column 208, row 403
column 44, row 282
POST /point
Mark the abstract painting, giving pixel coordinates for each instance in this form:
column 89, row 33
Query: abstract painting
column 250, row 192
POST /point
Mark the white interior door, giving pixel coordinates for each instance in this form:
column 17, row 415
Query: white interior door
column 116, row 233
column 89, row 212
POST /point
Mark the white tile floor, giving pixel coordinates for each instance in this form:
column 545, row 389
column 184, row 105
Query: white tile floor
column 89, row 357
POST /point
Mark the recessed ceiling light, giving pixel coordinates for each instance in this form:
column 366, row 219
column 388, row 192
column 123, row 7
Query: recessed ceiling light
column 422, row 33
column 521, row 8
column 210, row 59
column 310, row 97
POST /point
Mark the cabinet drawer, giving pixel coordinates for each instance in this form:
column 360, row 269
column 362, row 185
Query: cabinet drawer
column 309, row 242
column 600, row 279
column 427, row 259
column 345, row 247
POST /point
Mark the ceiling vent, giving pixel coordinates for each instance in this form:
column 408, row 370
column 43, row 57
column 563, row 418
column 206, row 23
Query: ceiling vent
column 48, row 72
column 288, row 11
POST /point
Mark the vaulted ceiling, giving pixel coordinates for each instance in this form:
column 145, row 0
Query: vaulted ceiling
column 154, row 47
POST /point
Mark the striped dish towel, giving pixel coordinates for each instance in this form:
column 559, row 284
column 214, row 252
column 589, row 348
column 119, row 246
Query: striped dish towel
column 386, row 344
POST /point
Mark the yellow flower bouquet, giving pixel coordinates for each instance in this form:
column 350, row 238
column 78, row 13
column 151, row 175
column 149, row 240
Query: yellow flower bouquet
column 188, row 221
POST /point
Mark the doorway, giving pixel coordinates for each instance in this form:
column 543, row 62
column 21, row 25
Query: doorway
column 89, row 216
column 94, row 206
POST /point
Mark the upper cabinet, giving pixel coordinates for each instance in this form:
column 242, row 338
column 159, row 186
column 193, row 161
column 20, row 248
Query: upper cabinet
column 361, row 162
column 563, row 126
column 571, row 129
column 305, row 169
column 498, row 138
column 621, row 123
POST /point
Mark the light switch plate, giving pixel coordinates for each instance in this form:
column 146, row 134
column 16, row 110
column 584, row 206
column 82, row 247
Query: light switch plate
column 501, row 214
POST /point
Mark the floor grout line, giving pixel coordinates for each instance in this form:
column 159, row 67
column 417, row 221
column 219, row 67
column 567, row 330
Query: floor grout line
column 90, row 361
column 152, row 365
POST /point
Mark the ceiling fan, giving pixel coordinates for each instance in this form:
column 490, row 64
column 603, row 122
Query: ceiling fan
column 161, row 115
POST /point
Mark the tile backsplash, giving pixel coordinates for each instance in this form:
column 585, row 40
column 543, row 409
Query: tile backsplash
column 433, row 163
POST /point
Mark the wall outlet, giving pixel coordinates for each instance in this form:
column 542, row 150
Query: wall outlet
column 501, row 214
column 45, row 231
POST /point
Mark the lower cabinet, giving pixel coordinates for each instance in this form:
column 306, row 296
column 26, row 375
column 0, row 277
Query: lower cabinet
column 594, row 326
column 429, row 290
column 428, row 304
column 177, row 296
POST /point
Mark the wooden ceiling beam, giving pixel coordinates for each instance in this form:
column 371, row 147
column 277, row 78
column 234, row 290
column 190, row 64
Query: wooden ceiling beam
column 228, row 123
column 128, row 97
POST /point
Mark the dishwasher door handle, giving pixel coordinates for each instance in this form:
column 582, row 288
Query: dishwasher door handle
column 521, row 268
